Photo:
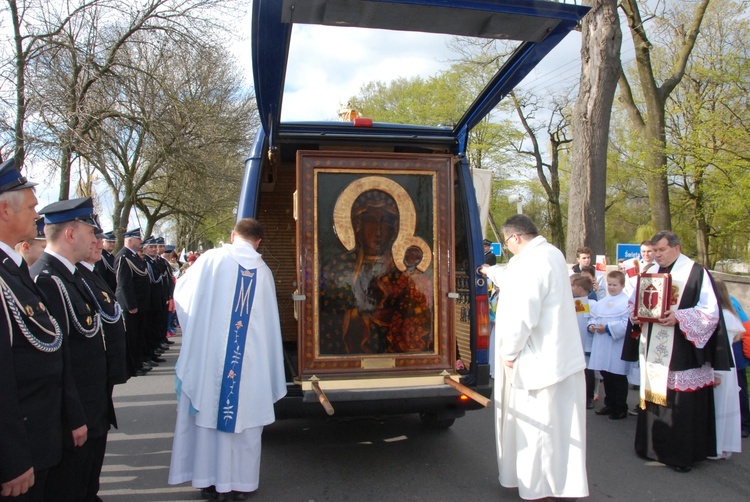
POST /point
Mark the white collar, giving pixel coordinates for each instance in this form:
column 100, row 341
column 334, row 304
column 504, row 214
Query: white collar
column 17, row 258
column 62, row 259
column 86, row 264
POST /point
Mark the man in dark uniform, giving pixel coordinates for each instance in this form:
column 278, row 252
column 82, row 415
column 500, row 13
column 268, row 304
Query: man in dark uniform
column 168, row 287
column 489, row 256
column 155, row 331
column 133, row 294
column 31, row 249
column 37, row 391
column 111, row 314
column 106, row 266
column 70, row 228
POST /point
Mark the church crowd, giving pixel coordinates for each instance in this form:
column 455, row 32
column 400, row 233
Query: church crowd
column 662, row 324
column 75, row 321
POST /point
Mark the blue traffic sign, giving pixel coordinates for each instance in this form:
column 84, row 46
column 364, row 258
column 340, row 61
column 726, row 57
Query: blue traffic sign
column 628, row 251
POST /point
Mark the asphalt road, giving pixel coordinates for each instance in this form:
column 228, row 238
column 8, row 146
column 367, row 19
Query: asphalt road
column 392, row 458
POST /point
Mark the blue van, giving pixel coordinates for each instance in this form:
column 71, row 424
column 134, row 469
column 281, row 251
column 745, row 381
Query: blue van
column 373, row 229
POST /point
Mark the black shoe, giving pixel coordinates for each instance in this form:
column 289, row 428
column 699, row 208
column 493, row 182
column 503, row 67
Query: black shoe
column 682, row 468
column 208, row 493
column 158, row 352
column 163, row 346
column 141, row 372
column 157, row 359
column 745, row 433
column 589, row 404
column 145, row 367
column 241, row 495
column 618, row 415
column 604, row 411
column 169, row 342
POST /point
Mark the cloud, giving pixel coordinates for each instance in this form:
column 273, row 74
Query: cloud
column 328, row 65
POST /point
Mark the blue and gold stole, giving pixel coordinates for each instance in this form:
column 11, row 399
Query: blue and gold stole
column 244, row 292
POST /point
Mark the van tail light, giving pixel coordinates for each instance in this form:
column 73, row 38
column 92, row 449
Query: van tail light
column 362, row 122
column 483, row 329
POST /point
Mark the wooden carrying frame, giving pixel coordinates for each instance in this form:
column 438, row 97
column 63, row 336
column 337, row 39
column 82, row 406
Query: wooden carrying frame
column 374, row 240
column 652, row 295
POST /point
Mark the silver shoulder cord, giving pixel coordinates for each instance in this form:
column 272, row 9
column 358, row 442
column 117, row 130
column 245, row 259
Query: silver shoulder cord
column 70, row 313
column 109, row 319
column 150, row 271
column 134, row 268
column 14, row 307
column 109, row 267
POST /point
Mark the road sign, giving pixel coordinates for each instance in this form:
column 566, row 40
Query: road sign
column 627, row 251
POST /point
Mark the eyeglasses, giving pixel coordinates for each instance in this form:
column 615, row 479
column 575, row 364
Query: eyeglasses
column 511, row 236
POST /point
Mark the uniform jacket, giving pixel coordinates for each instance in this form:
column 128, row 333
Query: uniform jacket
column 133, row 284
column 114, row 332
column 156, row 278
column 106, row 269
column 37, row 391
column 87, row 355
column 168, row 280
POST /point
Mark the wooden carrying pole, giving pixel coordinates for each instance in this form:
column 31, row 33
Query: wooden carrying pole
column 476, row 396
column 322, row 398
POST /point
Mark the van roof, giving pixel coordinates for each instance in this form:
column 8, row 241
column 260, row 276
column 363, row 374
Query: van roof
column 537, row 26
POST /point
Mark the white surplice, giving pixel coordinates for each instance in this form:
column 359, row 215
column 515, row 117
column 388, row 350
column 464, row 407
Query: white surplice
column 204, row 298
column 540, row 403
column 726, row 400
column 606, row 348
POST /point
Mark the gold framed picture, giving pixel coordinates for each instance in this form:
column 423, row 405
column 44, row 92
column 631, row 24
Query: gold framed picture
column 374, row 234
column 652, row 296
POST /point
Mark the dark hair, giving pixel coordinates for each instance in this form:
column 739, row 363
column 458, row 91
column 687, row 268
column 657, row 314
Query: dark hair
column 722, row 295
column 590, row 269
column 647, row 243
column 249, row 228
column 671, row 237
column 583, row 250
column 519, row 224
column 616, row 274
column 582, row 281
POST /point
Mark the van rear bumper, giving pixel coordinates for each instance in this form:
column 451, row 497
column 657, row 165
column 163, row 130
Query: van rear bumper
column 440, row 399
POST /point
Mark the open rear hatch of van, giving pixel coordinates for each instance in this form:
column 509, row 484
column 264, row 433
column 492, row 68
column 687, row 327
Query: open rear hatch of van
column 384, row 216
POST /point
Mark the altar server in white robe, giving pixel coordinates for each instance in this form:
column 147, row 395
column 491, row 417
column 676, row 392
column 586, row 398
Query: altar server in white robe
column 230, row 370
column 540, row 390
column 608, row 323
column 726, row 386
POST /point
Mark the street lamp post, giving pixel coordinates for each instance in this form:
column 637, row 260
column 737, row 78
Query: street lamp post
column 518, row 200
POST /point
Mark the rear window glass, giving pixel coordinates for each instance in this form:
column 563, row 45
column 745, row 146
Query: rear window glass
column 328, row 65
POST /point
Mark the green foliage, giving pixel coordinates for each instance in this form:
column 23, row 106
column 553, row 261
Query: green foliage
column 440, row 100
column 707, row 140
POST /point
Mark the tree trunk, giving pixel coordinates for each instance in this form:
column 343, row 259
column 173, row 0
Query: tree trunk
column 66, row 156
column 655, row 144
column 20, row 60
column 557, row 230
column 651, row 124
column 600, row 69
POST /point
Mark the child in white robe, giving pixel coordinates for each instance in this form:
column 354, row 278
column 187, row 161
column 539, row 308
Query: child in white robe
column 581, row 286
column 608, row 322
column 726, row 387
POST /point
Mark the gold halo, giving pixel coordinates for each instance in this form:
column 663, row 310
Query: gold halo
column 342, row 218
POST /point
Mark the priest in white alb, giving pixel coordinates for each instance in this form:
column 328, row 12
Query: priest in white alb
column 230, row 370
column 540, row 388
